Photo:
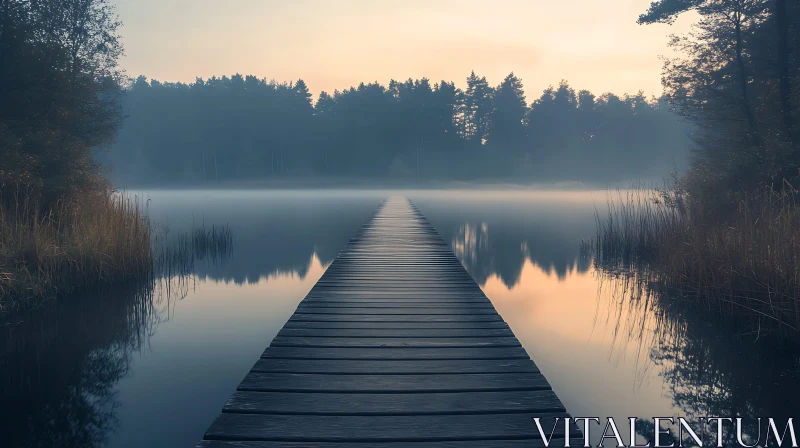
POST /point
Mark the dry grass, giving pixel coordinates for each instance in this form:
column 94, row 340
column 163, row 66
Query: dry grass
column 742, row 264
column 103, row 239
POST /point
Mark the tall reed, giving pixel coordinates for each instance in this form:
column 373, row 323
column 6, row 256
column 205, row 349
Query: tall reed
column 743, row 264
column 101, row 239
column 176, row 256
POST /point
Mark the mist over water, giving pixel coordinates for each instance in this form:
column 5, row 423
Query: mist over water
column 264, row 134
column 154, row 370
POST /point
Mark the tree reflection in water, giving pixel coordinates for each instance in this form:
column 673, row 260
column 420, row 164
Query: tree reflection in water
column 504, row 252
column 63, row 359
column 709, row 367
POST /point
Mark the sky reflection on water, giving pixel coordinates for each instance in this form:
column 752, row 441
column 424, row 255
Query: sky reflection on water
column 159, row 379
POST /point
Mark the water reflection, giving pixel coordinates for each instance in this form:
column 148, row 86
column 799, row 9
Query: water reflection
column 504, row 254
column 178, row 385
column 708, row 369
column 609, row 345
column 141, row 370
column 114, row 369
column 274, row 231
column 283, row 242
column 64, row 359
column 61, row 364
column 496, row 232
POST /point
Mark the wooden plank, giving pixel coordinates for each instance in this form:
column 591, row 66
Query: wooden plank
column 396, row 353
column 445, row 296
column 393, row 404
column 400, row 302
column 433, row 286
column 424, row 299
column 449, row 291
column 395, row 333
column 393, row 367
column 396, row 295
column 396, row 325
column 447, row 311
column 410, row 269
column 282, row 341
column 395, row 304
column 389, row 265
column 374, row 280
column 429, row 258
column 379, row 428
column 347, row 259
column 395, row 318
column 467, row 382
column 365, row 286
column 369, row 274
column 526, row 443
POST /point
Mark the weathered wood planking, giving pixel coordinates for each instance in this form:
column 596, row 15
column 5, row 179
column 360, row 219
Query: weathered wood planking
column 395, row 346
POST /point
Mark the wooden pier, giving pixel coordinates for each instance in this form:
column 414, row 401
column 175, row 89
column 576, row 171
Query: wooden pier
column 395, row 346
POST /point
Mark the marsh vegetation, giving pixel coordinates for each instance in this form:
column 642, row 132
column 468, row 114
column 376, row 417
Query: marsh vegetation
column 64, row 358
column 100, row 241
column 706, row 368
column 103, row 241
column 743, row 266
column 726, row 234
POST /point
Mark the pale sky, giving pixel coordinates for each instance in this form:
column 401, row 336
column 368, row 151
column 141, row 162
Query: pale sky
column 335, row 44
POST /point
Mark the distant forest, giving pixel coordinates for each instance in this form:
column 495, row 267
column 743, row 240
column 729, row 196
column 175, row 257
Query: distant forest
column 244, row 127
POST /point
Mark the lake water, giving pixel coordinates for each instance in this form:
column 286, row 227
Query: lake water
column 124, row 371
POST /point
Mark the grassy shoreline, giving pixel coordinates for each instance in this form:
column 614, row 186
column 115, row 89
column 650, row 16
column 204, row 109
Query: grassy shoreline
column 742, row 264
column 102, row 239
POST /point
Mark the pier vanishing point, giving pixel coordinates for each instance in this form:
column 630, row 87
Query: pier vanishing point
column 395, row 346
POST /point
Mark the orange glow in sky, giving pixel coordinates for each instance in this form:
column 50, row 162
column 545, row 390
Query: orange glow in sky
column 595, row 45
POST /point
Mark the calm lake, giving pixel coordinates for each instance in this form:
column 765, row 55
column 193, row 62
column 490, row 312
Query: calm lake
column 120, row 370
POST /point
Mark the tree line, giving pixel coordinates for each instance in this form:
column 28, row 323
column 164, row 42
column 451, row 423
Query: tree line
column 247, row 127
column 737, row 79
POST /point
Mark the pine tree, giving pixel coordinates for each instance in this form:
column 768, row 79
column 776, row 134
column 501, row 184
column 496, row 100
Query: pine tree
column 477, row 108
column 301, row 92
column 510, row 108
